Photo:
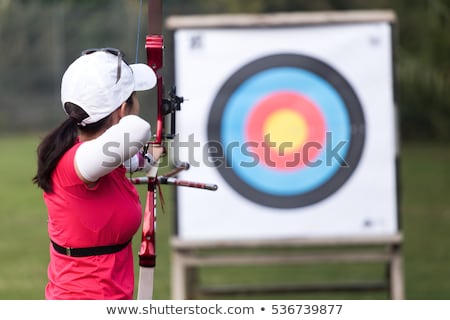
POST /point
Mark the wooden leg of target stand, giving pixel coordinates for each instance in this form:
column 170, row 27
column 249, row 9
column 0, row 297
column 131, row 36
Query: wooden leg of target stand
column 184, row 277
column 179, row 280
column 192, row 281
column 396, row 273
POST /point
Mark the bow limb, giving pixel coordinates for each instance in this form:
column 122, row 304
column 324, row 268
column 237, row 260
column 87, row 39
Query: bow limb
column 147, row 252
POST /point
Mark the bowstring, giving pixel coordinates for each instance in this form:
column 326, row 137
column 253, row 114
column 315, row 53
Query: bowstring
column 138, row 35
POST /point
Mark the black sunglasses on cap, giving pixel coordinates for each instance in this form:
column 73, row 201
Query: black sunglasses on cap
column 120, row 57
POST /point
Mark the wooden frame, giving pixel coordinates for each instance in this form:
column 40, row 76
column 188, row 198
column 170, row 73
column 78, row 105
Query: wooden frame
column 279, row 19
column 188, row 256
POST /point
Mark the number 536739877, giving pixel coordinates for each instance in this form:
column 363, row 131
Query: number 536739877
column 306, row 308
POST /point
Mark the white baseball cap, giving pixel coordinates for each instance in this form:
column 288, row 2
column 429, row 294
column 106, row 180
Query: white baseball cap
column 100, row 80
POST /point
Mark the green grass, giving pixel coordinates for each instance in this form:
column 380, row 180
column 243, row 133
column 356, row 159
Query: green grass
column 23, row 222
column 425, row 202
column 426, row 220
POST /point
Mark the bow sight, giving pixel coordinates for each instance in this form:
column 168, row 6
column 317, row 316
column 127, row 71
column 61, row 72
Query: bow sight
column 171, row 106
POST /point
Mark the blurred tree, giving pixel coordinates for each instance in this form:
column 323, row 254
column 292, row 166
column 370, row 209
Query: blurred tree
column 40, row 38
column 423, row 67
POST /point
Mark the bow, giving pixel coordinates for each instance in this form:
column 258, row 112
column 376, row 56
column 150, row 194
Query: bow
column 166, row 109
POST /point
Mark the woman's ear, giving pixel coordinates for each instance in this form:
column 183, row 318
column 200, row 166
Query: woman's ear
column 123, row 110
column 119, row 113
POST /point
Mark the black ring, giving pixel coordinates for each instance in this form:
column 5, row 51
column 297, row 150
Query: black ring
column 342, row 87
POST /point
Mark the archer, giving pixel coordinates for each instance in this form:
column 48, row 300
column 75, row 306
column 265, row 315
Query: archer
column 93, row 209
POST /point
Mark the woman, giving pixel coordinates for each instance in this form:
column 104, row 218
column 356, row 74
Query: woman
column 93, row 210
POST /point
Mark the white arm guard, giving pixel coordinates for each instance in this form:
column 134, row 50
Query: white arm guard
column 98, row 157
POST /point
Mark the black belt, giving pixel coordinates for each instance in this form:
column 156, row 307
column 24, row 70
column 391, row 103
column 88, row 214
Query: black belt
column 89, row 251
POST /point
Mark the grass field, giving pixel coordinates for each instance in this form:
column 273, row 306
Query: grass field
column 425, row 203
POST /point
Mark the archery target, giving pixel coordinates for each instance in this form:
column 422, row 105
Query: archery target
column 298, row 133
column 283, row 110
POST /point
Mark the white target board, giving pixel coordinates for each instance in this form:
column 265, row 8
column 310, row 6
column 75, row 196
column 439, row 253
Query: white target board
column 294, row 123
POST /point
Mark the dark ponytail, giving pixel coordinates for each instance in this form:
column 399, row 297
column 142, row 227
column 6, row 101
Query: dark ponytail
column 50, row 151
column 57, row 142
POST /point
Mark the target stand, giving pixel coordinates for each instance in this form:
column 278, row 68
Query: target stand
column 293, row 116
column 188, row 257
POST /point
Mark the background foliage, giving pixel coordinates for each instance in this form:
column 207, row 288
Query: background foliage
column 41, row 37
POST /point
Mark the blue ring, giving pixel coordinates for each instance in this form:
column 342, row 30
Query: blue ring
column 226, row 123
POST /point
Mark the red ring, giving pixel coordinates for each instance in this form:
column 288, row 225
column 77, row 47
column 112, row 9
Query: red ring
column 297, row 103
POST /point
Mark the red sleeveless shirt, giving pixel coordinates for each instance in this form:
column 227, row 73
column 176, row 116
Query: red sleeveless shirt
column 78, row 216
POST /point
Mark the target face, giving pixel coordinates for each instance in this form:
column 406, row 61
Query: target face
column 299, row 134
column 286, row 130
